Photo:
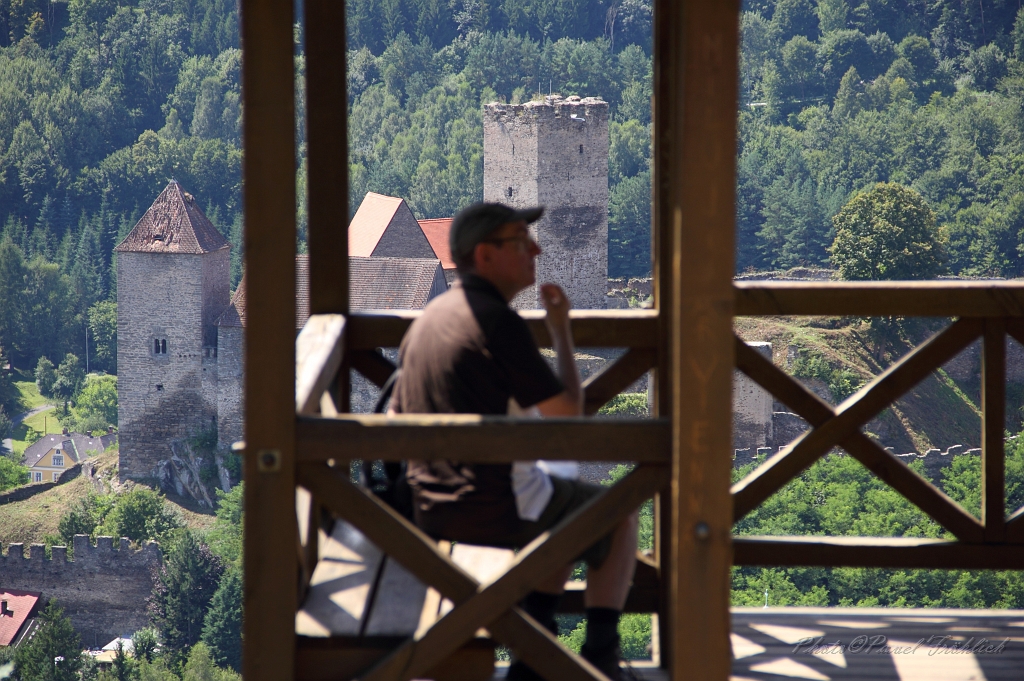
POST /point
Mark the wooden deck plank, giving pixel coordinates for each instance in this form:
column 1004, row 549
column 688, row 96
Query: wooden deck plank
column 398, row 604
column 340, row 586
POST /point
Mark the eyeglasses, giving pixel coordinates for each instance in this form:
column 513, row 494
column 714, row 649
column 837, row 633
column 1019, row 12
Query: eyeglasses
column 523, row 239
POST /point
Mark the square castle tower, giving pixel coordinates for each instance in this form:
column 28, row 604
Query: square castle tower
column 554, row 153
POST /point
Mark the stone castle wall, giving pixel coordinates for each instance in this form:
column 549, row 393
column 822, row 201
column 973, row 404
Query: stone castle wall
column 103, row 590
column 230, row 385
column 163, row 397
column 752, row 407
column 554, row 153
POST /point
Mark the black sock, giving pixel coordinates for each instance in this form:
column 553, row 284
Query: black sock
column 541, row 607
column 602, row 628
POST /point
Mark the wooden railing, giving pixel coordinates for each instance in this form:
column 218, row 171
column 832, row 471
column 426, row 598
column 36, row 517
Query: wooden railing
column 986, row 310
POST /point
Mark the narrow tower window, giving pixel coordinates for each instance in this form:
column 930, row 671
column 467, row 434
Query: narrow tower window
column 508, row 192
column 159, row 346
column 581, row 148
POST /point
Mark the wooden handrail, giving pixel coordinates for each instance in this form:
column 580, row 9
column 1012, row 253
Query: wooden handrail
column 880, row 298
column 480, row 439
column 318, row 352
column 371, row 329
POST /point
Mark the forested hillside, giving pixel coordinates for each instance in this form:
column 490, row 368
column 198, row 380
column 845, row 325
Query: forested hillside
column 103, row 101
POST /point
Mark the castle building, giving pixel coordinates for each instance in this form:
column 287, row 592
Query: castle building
column 554, row 153
column 173, row 281
column 181, row 334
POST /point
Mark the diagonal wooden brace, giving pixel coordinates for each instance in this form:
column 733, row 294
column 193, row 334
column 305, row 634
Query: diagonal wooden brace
column 541, row 557
column 885, row 466
column 404, row 542
column 849, row 416
column 616, row 377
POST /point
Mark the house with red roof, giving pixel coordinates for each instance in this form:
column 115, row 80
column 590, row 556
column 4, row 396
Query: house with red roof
column 17, row 615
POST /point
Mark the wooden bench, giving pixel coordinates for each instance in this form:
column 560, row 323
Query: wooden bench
column 360, row 603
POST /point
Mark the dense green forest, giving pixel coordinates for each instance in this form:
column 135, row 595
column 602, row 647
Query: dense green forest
column 103, row 101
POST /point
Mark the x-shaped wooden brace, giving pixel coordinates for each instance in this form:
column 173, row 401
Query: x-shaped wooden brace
column 841, row 426
column 493, row 605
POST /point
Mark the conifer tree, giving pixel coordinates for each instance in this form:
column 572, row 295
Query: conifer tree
column 54, row 653
column 222, row 629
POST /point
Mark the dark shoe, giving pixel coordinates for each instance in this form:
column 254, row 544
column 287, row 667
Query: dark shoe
column 518, row 671
column 608, row 662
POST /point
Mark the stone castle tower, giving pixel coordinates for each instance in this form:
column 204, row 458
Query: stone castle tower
column 172, row 283
column 554, row 153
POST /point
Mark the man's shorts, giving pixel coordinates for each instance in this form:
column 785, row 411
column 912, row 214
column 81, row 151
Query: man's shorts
column 568, row 496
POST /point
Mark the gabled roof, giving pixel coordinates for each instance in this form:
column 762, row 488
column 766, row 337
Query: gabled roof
column 394, row 283
column 235, row 314
column 436, row 231
column 371, row 219
column 173, row 224
column 38, row 449
column 87, row 443
column 19, row 606
column 374, row 284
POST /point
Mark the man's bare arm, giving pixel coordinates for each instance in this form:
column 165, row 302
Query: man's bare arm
column 569, row 402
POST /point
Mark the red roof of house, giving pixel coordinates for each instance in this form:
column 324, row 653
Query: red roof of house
column 19, row 606
column 368, row 224
column 436, row 230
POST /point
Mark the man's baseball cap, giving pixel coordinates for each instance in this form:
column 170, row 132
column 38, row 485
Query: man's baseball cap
column 477, row 222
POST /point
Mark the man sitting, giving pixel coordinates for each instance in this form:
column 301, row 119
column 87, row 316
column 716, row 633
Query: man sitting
column 470, row 353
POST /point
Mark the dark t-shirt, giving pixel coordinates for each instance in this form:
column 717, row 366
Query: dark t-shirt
column 468, row 354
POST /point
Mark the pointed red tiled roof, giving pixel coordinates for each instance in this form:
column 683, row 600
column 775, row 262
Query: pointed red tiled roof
column 173, row 224
column 436, row 230
column 371, row 219
column 19, row 606
column 235, row 314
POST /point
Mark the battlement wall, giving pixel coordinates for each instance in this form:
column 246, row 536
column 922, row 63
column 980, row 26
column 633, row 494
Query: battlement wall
column 103, row 590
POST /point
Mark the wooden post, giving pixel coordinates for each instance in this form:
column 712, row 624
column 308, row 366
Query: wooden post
column 699, row 80
column 271, row 563
column 327, row 155
column 993, row 411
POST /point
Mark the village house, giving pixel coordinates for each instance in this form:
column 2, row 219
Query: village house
column 18, row 610
column 51, row 455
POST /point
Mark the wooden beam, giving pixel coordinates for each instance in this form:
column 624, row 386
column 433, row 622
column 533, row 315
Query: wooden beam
column 770, row 476
column 888, row 468
column 374, row 366
column 993, row 416
column 881, row 298
column 268, row 171
column 615, row 377
column 473, row 438
column 876, row 552
column 700, row 85
column 590, row 328
column 543, row 556
column 327, row 156
column 318, row 351
column 343, row 658
column 644, row 596
column 404, row 542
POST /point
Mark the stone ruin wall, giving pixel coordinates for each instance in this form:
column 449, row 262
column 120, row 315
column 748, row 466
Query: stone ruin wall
column 103, row 590
column 230, row 386
column 752, row 407
column 162, row 398
column 554, row 153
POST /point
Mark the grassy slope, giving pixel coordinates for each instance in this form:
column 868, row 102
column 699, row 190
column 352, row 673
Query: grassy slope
column 936, row 413
column 29, row 520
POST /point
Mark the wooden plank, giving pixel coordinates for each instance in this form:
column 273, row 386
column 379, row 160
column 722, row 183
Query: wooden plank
column 816, row 411
column 308, row 516
column 1015, row 527
column 644, row 595
column 590, row 328
column 398, row 604
column 881, row 298
column 319, row 659
column 404, row 541
column 615, row 377
column 374, row 366
column 770, row 476
column 541, row 557
column 326, row 154
column 318, row 350
column 700, row 86
column 340, row 589
column 479, row 439
column 993, row 414
column 878, row 552
column 268, row 171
